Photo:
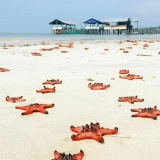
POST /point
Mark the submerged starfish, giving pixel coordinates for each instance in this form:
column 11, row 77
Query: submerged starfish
column 146, row 112
column 63, row 156
column 92, row 131
column 35, row 108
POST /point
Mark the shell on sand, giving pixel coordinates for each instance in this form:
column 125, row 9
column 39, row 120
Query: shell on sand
column 90, row 79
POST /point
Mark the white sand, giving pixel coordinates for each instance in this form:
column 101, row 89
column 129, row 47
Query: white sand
column 36, row 136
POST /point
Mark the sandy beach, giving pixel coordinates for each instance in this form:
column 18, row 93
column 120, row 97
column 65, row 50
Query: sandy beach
column 36, row 136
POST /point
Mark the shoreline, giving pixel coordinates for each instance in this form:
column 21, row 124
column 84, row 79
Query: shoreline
column 68, row 37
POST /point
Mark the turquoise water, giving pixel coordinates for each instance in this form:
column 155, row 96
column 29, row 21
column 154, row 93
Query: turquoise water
column 71, row 37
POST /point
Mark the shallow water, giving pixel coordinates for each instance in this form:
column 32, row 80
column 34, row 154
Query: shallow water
column 71, row 37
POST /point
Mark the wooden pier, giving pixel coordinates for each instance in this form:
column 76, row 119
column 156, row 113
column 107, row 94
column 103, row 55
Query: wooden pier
column 150, row 30
column 115, row 26
column 109, row 32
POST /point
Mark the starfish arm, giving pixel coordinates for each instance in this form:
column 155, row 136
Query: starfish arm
column 78, row 156
column 28, row 111
column 39, row 91
column 20, row 100
column 145, row 115
column 123, row 71
column 48, row 82
column 123, row 100
column 44, row 92
column 11, row 100
column 52, row 83
column 48, row 105
column 138, row 100
column 94, row 88
column 20, row 97
column 87, row 135
column 52, row 90
column 131, row 101
column 155, row 107
column 127, row 97
column 56, row 154
column 76, row 129
column 22, row 107
column 109, row 131
column 108, row 85
column 41, row 109
column 48, row 91
column 136, row 110
column 157, row 112
column 99, row 88
column 138, row 77
column 104, row 86
column 60, row 82
column 7, row 97
column 14, row 100
column 60, row 156
column 123, row 77
column 90, row 85
column 123, row 97
column 57, row 82
column 130, row 77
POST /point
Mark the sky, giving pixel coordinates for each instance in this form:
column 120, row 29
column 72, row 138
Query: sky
column 34, row 16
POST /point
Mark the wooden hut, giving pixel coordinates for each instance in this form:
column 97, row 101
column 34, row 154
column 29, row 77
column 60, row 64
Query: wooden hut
column 118, row 25
column 60, row 27
column 94, row 26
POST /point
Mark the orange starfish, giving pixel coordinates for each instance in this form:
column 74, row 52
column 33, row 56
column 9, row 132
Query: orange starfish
column 4, row 70
column 52, row 81
column 147, row 112
column 15, row 99
column 63, row 156
column 35, row 108
column 131, row 77
column 130, row 99
column 92, row 131
column 46, row 90
column 98, row 86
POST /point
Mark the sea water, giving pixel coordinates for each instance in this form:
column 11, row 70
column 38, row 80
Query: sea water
column 40, row 37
